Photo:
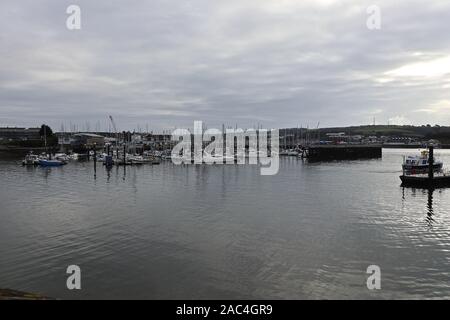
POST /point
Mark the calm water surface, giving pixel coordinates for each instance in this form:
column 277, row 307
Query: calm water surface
column 224, row 231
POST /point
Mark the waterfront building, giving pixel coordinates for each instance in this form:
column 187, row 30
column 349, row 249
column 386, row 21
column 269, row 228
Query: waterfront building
column 17, row 133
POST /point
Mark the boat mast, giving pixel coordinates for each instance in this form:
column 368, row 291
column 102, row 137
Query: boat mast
column 45, row 137
column 45, row 140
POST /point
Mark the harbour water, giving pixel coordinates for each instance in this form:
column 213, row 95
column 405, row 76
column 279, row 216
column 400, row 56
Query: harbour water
column 224, row 231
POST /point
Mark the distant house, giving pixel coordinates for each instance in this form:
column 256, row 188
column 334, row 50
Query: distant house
column 64, row 138
column 337, row 137
column 87, row 140
column 334, row 135
column 158, row 138
column 15, row 133
column 157, row 141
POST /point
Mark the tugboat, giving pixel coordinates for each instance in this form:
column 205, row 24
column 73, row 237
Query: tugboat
column 420, row 164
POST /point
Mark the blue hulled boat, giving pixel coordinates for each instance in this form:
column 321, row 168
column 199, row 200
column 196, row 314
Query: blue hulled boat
column 51, row 163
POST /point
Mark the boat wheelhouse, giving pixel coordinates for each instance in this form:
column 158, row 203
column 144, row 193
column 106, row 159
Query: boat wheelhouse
column 420, row 164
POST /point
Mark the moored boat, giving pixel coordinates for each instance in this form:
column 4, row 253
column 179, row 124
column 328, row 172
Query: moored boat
column 432, row 179
column 62, row 157
column 420, row 164
column 30, row 160
column 73, row 156
column 51, row 163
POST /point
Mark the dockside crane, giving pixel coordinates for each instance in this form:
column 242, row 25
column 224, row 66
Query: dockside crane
column 114, row 128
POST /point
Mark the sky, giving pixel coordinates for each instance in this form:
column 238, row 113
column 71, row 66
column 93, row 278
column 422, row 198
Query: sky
column 161, row 64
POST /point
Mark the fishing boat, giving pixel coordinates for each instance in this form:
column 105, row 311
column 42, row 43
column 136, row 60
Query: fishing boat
column 51, row 163
column 432, row 179
column 420, row 164
column 30, row 160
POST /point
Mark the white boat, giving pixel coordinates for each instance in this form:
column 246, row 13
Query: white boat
column 43, row 156
column 62, row 157
column 101, row 157
column 135, row 159
column 73, row 156
column 30, row 160
column 419, row 164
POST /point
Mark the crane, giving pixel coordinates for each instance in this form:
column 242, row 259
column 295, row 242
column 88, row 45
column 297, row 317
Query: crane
column 115, row 128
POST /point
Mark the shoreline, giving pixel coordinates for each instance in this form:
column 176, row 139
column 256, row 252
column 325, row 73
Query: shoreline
column 9, row 294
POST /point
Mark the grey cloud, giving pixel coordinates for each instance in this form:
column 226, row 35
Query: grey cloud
column 168, row 63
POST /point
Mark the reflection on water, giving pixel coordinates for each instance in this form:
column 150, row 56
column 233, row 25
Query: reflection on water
column 430, row 207
column 429, row 204
column 224, row 231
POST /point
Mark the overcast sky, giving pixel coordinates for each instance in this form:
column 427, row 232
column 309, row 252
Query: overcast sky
column 280, row 63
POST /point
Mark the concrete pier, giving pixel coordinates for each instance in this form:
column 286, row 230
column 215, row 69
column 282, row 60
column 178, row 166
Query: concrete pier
column 343, row 152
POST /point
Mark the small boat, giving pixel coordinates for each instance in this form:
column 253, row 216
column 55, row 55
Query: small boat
column 30, row 160
column 149, row 159
column 135, row 160
column 62, row 157
column 101, row 157
column 419, row 164
column 44, row 156
column 51, row 163
column 213, row 158
column 129, row 160
column 74, row 156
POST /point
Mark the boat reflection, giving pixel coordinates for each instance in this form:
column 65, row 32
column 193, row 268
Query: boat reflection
column 429, row 206
column 430, row 213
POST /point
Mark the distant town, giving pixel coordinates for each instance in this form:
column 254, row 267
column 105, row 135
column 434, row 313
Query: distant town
column 393, row 136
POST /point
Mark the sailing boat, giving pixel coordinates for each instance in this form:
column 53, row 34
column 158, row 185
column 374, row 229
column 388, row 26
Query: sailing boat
column 49, row 162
